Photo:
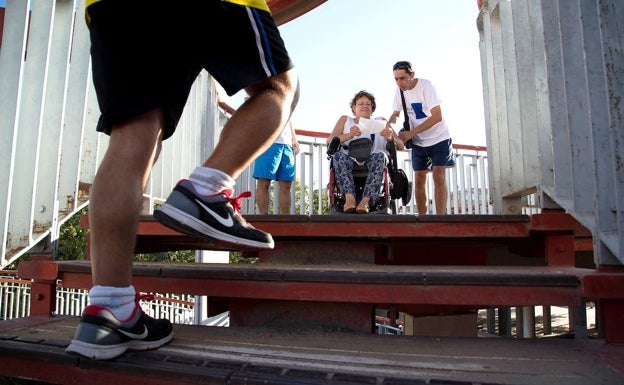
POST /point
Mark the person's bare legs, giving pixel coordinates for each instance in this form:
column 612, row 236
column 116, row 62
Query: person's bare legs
column 116, row 197
column 114, row 208
column 284, row 196
column 440, row 189
column 420, row 191
column 256, row 124
column 262, row 195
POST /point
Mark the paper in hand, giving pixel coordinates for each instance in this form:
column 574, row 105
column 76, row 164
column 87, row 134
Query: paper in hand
column 371, row 126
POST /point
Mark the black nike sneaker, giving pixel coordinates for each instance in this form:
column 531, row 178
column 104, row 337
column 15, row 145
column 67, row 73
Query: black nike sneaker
column 101, row 336
column 216, row 217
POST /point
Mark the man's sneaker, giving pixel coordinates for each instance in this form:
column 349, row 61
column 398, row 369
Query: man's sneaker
column 214, row 216
column 101, row 336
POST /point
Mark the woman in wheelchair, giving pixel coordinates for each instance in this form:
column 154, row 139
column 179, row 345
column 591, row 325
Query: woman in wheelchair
column 346, row 131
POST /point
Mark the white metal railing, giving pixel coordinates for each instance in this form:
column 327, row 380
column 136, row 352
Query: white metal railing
column 70, row 301
column 14, row 298
column 467, row 182
column 49, row 149
column 15, row 302
column 383, row 328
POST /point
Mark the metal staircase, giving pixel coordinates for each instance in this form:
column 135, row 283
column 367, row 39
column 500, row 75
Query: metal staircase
column 552, row 75
column 554, row 125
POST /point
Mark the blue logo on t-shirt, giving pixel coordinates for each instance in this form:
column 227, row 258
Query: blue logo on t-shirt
column 418, row 110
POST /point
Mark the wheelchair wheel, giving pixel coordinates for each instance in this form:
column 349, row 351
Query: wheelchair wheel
column 335, row 198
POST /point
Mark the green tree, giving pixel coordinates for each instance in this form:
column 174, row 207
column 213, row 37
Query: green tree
column 324, row 201
column 72, row 242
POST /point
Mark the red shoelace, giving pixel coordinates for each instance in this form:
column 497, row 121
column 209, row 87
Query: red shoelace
column 236, row 201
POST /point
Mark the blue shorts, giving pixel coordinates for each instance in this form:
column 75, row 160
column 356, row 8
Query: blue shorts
column 440, row 154
column 276, row 163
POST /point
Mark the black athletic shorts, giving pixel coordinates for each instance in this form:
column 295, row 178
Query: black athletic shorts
column 146, row 54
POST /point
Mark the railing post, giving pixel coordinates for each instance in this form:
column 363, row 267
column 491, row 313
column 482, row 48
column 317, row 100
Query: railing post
column 43, row 287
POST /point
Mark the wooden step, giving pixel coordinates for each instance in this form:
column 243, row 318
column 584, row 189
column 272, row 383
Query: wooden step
column 553, row 237
column 349, row 293
column 335, row 296
column 456, row 285
column 237, row 356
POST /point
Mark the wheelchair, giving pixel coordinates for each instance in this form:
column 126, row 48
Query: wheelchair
column 384, row 203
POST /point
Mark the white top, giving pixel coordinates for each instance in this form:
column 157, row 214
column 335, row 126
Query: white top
column 286, row 136
column 379, row 144
column 419, row 102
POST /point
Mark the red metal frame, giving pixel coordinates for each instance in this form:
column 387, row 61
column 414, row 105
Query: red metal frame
column 406, row 240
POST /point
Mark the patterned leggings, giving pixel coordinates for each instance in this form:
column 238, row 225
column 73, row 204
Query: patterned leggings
column 343, row 171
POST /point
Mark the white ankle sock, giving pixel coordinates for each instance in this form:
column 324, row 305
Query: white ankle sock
column 119, row 300
column 210, row 181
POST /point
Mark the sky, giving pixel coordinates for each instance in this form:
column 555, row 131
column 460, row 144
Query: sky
column 344, row 46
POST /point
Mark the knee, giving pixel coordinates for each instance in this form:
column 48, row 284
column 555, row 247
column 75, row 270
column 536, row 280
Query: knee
column 284, row 86
column 287, row 84
column 294, row 89
column 342, row 162
column 420, row 178
column 263, row 184
column 439, row 177
column 376, row 158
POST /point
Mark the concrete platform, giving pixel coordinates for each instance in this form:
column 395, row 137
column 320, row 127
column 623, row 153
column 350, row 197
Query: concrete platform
column 34, row 347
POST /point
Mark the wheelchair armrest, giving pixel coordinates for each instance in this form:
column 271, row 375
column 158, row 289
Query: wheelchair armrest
column 334, row 146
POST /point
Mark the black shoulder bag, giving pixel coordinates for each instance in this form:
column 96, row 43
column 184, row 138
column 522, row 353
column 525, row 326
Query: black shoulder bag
column 361, row 148
column 400, row 187
column 406, row 125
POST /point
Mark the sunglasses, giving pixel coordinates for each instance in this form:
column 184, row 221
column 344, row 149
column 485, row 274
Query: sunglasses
column 402, row 65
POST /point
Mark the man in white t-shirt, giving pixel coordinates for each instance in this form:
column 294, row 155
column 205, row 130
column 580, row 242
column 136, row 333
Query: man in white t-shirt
column 432, row 148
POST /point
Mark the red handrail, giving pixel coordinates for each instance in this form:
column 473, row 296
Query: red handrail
column 315, row 134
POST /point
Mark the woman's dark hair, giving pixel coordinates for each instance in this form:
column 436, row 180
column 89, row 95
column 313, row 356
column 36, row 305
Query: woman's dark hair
column 366, row 95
